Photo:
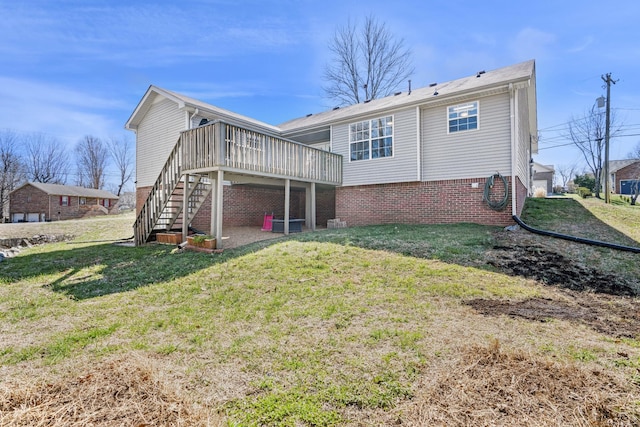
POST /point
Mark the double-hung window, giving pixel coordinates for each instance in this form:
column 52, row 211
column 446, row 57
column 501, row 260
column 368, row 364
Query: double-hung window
column 371, row 139
column 64, row 200
column 463, row 117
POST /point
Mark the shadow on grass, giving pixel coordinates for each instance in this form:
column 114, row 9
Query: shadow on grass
column 82, row 272
column 90, row 271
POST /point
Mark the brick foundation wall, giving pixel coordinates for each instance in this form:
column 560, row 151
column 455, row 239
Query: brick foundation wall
column 245, row 205
column 432, row 202
column 325, row 206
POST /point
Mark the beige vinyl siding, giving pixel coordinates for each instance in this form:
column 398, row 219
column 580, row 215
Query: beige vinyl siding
column 524, row 153
column 156, row 136
column 467, row 154
column 401, row 167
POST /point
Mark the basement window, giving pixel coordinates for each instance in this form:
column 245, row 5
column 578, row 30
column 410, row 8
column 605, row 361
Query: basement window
column 463, row 117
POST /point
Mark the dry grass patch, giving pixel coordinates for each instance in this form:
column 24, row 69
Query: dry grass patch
column 123, row 391
column 490, row 386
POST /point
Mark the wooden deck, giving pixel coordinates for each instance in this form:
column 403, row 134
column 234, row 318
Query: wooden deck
column 222, row 146
column 205, row 156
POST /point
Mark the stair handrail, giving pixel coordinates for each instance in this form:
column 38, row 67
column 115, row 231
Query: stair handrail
column 159, row 195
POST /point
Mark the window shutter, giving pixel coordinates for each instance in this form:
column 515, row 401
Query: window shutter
column 60, row 200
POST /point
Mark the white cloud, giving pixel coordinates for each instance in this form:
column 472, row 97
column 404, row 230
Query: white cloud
column 137, row 35
column 67, row 115
column 582, row 46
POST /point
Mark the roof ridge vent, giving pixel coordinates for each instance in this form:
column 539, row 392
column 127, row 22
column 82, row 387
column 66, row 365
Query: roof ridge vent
column 433, row 84
column 480, row 73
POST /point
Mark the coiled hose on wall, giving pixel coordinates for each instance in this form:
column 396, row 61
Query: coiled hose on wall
column 496, row 205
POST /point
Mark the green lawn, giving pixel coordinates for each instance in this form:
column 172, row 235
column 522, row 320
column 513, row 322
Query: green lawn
column 357, row 326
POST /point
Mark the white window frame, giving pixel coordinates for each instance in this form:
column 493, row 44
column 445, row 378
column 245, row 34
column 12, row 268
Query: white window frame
column 462, row 111
column 362, row 132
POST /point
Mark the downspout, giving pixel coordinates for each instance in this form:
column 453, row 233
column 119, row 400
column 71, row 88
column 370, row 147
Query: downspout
column 418, row 144
column 514, row 148
column 190, row 119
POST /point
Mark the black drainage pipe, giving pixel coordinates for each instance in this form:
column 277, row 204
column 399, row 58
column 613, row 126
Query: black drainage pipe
column 574, row 238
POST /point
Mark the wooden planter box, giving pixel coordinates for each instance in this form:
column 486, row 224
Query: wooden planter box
column 206, row 244
column 169, row 238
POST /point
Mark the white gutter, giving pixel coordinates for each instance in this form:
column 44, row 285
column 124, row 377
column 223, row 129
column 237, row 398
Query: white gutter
column 514, row 148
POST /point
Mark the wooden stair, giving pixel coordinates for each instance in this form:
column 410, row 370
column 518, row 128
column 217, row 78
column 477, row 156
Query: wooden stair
column 164, row 210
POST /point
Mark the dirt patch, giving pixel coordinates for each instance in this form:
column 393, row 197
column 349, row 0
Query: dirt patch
column 553, row 268
column 38, row 239
column 616, row 317
column 490, row 386
column 120, row 392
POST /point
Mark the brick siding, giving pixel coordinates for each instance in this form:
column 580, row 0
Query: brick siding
column 432, row 202
column 245, row 205
column 29, row 199
column 628, row 172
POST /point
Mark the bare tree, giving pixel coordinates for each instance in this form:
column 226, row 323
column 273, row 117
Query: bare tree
column 566, row 173
column 11, row 169
column 588, row 134
column 47, row 160
column 367, row 63
column 91, row 157
column 122, row 155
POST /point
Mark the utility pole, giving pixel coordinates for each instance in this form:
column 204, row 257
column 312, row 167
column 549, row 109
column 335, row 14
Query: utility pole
column 607, row 183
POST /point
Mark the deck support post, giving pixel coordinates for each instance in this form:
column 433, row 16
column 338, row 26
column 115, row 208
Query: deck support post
column 287, row 193
column 310, row 206
column 312, row 210
column 212, row 217
column 218, row 198
column 185, row 207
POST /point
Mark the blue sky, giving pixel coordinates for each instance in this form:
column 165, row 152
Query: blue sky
column 73, row 68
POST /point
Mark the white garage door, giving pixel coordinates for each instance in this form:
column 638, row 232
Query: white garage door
column 33, row 217
column 17, row 217
column 540, row 184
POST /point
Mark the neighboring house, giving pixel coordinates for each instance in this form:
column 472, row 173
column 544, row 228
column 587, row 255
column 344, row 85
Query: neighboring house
column 37, row 202
column 416, row 157
column 543, row 177
column 623, row 174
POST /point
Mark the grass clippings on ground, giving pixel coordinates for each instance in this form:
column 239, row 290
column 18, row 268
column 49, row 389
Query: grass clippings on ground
column 487, row 385
column 124, row 390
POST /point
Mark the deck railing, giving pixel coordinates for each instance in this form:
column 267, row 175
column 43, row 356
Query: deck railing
column 234, row 148
column 159, row 196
